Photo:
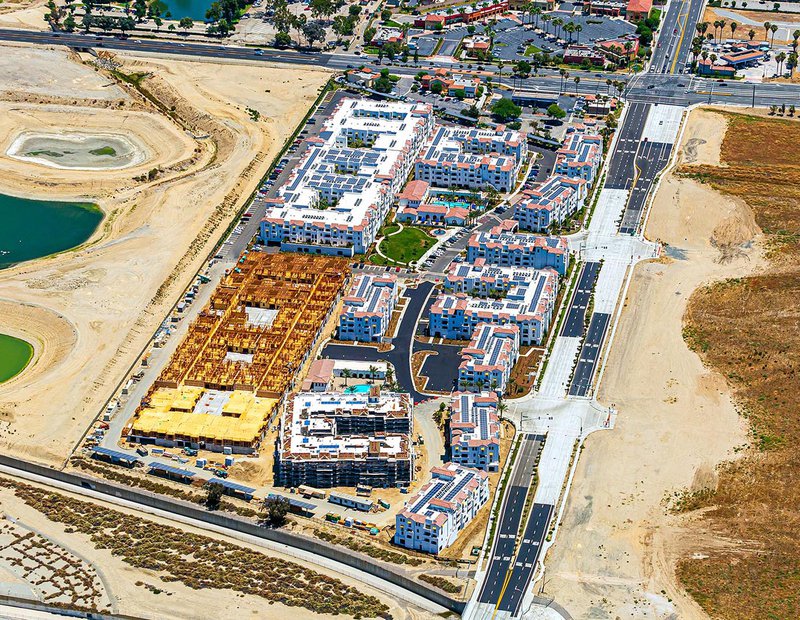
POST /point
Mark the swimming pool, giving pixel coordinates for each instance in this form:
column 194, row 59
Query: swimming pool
column 358, row 389
column 450, row 204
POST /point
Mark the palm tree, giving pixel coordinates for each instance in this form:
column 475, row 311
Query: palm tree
column 500, row 66
column 579, row 29
column 722, row 24
column 537, row 11
column 774, row 29
column 577, row 81
column 751, row 34
column 501, row 408
column 734, row 26
column 346, row 374
column 766, row 29
column 779, row 60
column 795, row 36
column 546, row 19
column 373, row 370
column 608, row 86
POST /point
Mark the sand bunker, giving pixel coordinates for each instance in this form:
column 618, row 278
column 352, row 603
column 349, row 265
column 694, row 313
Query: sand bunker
column 78, row 151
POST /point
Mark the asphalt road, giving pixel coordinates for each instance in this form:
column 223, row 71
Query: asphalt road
column 675, row 38
column 651, row 159
column 497, row 579
column 576, row 314
column 668, row 90
column 621, row 168
column 400, row 355
column 525, row 563
column 590, row 354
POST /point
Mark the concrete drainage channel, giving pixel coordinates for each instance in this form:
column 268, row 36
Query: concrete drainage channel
column 183, row 509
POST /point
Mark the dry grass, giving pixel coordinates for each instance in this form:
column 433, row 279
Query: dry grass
column 524, row 371
column 749, row 330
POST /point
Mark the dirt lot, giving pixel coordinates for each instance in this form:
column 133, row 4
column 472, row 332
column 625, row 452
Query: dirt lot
column 747, row 329
column 108, row 297
column 744, row 23
column 616, row 553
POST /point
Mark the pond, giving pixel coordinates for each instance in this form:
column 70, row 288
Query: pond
column 196, row 9
column 15, row 354
column 77, row 151
column 34, row 228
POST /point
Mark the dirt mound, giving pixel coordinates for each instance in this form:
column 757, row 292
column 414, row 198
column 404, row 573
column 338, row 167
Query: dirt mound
column 251, row 472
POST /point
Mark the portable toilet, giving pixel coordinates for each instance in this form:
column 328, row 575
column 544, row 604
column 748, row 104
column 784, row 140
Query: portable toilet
column 227, row 450
column 201, row 463
column 228, row 461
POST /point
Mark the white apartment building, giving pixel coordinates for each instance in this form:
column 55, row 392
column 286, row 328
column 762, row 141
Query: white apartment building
column 503, row 245
column 333, row 439
column 551, row 202
column 432, row 519
column 472, row 158
column 488, row 360
column 336, row 199
column 368, row 307
column 529, row 301
column 580, row 155
column 475, row 430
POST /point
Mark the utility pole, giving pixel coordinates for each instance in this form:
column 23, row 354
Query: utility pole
column 754, row 95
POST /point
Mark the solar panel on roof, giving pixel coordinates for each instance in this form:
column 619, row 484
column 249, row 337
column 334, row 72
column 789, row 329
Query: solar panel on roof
column 233, row 486
column 170, row 469
column 427, row 497
column 122, row 456
column 457, row 488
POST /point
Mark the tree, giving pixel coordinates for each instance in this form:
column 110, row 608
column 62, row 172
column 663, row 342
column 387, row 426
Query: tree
column 751, row 34
column 577, row 81
column 436, row 88
column 275, row 510
column 734, row 26
column 386, row 15
column 554, row 111
column 767, row 26
column 369, row 34
column 158, row 22
column 347, row 374
column 774, row 29
column 186, row 24
column 314, row 31
column 283, row 39
column 69, row 22
column 213, row 496
column 140, row 9
column 373, row 370
column 505, row 110
column 523, row 67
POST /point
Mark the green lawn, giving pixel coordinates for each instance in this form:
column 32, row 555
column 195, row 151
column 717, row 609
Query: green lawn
column 408, row 245
column 531, row 50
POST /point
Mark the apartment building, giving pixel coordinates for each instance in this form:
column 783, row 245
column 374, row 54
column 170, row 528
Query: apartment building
column 523, row 297
column 331, row 439
column 580, row 155
column 488, row 359
column 337, row 197
column 474, row 435
column 432, row 519
column 550, row 203
column 367, row 308
column 504, row 245
column 472, row 158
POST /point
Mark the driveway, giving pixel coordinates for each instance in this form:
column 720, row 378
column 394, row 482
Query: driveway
column 400, row 354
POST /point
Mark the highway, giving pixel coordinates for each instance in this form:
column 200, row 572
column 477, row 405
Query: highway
column 655, row 87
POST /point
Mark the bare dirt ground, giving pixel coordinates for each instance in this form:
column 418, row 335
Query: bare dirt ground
column 109, row 296
column 25, row 14
column 615, row 556
column 129, row 589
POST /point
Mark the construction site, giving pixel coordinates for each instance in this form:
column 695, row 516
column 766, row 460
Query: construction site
column 241, row 354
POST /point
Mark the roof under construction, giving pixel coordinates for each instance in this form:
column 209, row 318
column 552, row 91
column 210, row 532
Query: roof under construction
column 243, row 350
